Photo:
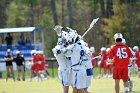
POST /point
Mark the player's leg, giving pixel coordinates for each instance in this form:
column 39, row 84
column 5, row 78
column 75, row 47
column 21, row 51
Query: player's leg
column 23, row 73
column 74, row 90
column 18, row 73
column 81, row 91
column 99, row 66
column 126, row 86
column 65, row 89
column 86, row 90
column 32, row 70
column 138, row 73
column 7, row 72
column 125, row 78
column 117, row 86
column 100, row 71
column 31, row 75
column 130, row 84
column 12, row 72
column 38, row 75
column 105, row 71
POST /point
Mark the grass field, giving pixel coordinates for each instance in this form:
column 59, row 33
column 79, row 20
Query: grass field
column 53, row 85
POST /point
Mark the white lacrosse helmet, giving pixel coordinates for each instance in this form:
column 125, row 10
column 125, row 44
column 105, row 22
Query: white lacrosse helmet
column 107, row 50
column 33, row 52
column 40, row 52
column 92, row 49
column 18, row 52
column 73, row 35
column 65, row 36
column 103, row 49
column 69, row 29
column 136, row 48
column 123, row 41
column 8, row 50
column 58, row 28
column 118, row 35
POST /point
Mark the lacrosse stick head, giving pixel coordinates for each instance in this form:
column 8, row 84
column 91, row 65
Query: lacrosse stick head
column 93, row 22
column 58, row 28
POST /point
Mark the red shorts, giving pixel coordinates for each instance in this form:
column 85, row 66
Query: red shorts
column 102, row 65
column 93, row 63
column 109, row 66
column 120, row 73
column 42, row 66
column 34, row 67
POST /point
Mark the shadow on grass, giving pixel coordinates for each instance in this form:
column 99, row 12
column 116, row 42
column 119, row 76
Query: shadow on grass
column 135, row 92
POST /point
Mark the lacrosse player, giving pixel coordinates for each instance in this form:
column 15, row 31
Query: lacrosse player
column 76, row 50
column 137, row 60
column 120, row 55
column 109, row 66
column 102, row 63
column 64, row 69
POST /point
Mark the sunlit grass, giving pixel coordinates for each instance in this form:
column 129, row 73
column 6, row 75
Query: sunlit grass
column 53, row 85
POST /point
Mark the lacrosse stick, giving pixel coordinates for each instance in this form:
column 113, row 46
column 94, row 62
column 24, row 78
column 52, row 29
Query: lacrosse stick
column 91, row 25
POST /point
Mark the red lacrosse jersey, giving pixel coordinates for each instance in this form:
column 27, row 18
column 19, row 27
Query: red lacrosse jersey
column 120, row 54
column 138, row 58
column 34, row 58
column 42, row 59
column 93, row 60
column 34, row 67
column 104, row 56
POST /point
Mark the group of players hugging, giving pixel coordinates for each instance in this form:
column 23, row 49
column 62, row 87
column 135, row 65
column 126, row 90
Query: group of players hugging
column 75, row 60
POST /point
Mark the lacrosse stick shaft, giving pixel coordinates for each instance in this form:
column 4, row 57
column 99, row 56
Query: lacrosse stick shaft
column 90, row 27
column 96, row 57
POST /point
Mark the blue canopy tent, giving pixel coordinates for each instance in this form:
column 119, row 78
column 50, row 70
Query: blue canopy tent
column 25, row 50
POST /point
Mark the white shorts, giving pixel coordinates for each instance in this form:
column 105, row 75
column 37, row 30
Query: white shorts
column 65, row 76
column 79, row 78
column 88, row 81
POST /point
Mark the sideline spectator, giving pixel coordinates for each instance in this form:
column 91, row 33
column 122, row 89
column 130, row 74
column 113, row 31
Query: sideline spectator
column 21, row 40
column 20, row 61
column 9, row 65
column 9, row 40
column 28, row 41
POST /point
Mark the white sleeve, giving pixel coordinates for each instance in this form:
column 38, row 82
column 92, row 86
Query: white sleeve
column 68, row 50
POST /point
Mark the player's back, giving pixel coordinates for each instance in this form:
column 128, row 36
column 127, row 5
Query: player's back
column 104, row 56
column 120, row 54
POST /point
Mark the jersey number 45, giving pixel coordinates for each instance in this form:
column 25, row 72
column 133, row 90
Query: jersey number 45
column 121, row 53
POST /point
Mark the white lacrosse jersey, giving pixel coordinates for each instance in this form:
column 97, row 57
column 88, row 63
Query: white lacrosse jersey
column 62, row 60
column 74, row 53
